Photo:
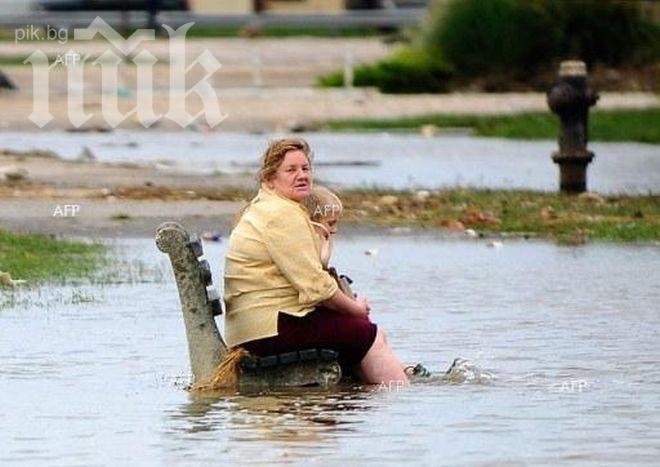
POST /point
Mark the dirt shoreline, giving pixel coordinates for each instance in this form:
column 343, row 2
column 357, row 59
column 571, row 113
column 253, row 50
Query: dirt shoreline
column 111, row 200
column 98, row 200
column 262, row 110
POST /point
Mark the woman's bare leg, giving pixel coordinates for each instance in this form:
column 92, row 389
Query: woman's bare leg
column 380, row 365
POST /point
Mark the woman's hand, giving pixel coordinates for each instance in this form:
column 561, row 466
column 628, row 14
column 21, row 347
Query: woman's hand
column 362, row 307
column 344, row 304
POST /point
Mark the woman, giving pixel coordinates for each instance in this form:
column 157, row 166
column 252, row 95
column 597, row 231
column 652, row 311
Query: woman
column 278, row 296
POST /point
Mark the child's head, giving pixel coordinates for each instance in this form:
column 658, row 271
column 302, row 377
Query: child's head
column 324, row 207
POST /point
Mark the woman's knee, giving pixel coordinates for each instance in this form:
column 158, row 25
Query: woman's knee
column 382, row 337
column 380, row 342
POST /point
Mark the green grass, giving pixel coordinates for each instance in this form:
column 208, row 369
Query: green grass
column 604, row 125
column 38, row 258
column 409, row 70
column 565, row 218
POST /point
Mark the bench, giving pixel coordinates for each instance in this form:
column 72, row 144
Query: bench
column 201, row 303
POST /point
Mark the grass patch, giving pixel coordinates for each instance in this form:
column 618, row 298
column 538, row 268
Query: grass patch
column 408, row 70
column 37, row 258
column 604, row 125
column 121, row 216
column 565, row 218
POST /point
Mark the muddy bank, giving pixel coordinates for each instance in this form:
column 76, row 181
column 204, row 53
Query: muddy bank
column 48, row 195
column 258, row 109
column 42, row 193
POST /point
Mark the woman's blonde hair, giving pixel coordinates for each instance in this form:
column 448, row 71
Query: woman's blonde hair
column 271, row 160
column 275, row 152
column 321, row 203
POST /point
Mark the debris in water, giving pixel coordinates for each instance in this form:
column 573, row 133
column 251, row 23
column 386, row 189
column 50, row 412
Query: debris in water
column 5, row 279
column 212, row 236
column 87, row 155
column 14, row 174
column 494, row 244
column 428, row 131
column 371, row 252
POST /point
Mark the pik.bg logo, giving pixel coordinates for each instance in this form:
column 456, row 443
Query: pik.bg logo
column 120, row 50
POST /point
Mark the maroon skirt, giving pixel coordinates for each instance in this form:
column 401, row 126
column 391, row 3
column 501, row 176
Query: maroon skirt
column 321, row 328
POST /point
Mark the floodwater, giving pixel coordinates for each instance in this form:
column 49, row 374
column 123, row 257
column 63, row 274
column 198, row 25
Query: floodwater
column 395, row 160
column 94, row 374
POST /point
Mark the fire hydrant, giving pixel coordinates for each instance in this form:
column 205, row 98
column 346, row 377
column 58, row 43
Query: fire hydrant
column 570, row 99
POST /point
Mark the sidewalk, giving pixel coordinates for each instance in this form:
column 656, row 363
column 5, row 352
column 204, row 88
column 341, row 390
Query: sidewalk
column 282, row 109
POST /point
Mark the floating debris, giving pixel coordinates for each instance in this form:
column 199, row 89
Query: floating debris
column 86, row 155
column 45, row 153
column 428, row 131
column 14, row 174
column 5, row 279
column 371, row 252
column 494, row 244
column 212, row 236
column 90, row 129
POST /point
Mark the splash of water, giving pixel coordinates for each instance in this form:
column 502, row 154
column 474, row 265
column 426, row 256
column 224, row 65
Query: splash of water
column 461, row 371
column 464, row 371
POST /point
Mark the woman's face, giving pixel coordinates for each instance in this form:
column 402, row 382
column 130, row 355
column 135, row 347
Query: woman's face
column 293, row 178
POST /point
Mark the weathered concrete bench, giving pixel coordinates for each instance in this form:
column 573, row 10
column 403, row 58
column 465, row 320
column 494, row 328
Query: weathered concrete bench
column 201, row 302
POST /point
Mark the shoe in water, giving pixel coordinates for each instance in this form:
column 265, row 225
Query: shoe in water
column 418, row 371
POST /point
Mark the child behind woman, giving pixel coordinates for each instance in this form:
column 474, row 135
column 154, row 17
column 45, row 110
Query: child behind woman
column 324, row 209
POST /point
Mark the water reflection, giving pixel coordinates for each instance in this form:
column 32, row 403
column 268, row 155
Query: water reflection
column 276, row 416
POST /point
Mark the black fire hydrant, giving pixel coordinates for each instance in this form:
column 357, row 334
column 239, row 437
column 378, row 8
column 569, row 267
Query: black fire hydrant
column 571, row 98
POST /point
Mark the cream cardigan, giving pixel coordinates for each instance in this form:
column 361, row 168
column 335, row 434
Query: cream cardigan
column 272, row 265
